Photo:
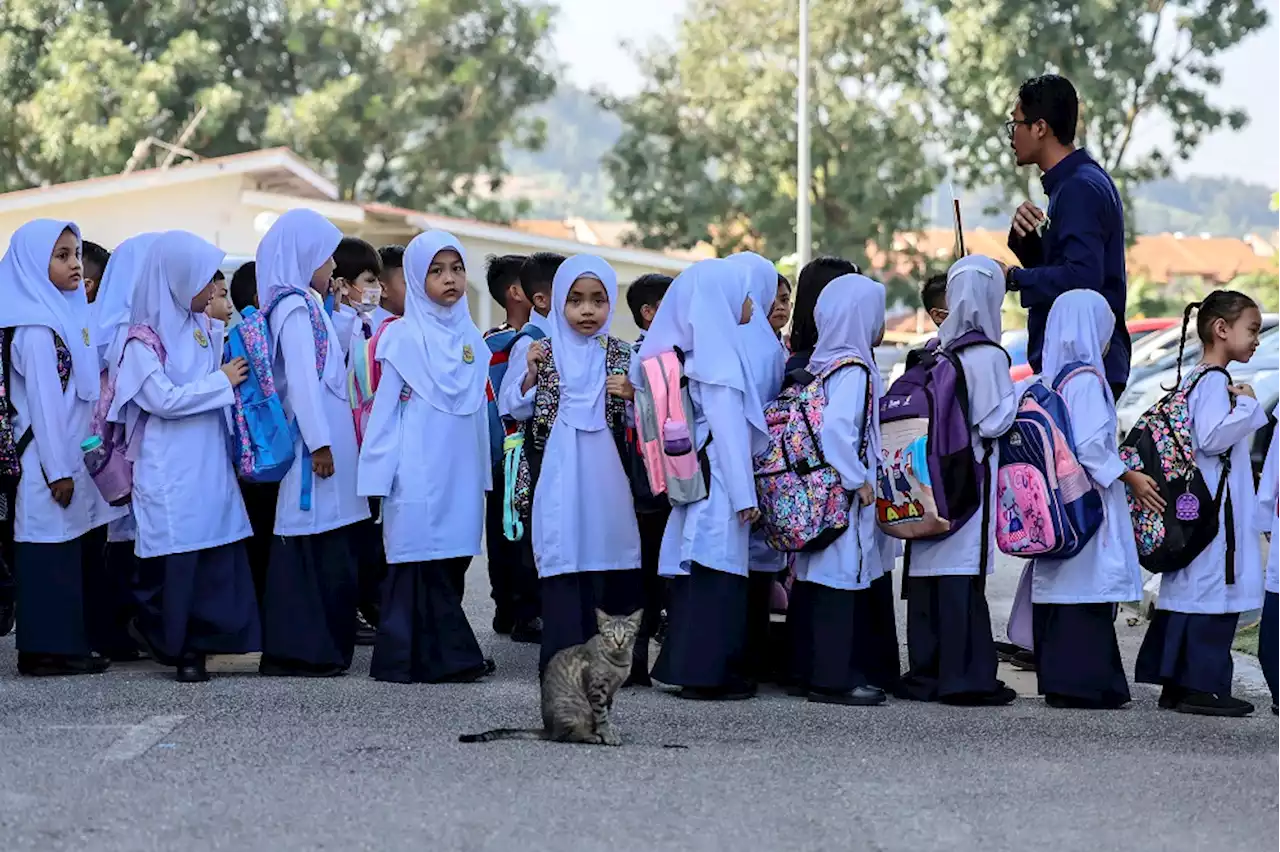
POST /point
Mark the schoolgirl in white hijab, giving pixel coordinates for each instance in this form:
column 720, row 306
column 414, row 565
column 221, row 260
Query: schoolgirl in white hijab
column 58, row 514
column 951, row 652
column 834, row 657
column 1078, row 660
column 706, row 543
column 586, row 542
column 191, row 519
column 426, row 454
column 309, row 600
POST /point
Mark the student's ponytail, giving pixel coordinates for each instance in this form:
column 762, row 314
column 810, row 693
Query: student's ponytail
column 1182, row 342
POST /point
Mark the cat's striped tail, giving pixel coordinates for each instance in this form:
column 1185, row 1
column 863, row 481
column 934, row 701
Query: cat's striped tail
column 505, row 734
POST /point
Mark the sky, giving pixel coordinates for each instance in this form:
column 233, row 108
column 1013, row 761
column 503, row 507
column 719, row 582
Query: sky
column 589, row 33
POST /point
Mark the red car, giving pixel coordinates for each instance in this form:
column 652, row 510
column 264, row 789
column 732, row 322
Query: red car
column 1016, row 342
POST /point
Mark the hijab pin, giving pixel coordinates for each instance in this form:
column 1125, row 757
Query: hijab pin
column 468, row 356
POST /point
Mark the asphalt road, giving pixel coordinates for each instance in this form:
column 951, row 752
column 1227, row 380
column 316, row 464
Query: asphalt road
column 130, row 760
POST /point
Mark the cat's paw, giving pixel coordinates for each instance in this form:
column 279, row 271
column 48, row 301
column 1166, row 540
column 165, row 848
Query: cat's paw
column 611, row 739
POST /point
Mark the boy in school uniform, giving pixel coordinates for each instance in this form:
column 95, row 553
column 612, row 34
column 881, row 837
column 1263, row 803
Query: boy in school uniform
column 392, row 280
column 643, row 298
column 95, row 259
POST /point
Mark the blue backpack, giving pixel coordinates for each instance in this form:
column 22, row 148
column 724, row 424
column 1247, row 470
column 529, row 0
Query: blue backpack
column 262, row 436
column 1046, row 504
column 501, row 342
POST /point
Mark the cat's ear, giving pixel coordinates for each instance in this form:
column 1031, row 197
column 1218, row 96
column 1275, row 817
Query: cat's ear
column 635, row 618
column 602, row 618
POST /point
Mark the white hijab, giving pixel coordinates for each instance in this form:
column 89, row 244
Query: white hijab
column 975, row 292
column 699, row 314
column 28, row 297
column 110, row 312
column 849, row 315
column 580, row 361
column 1078, row 329
column 438, row 351
column 178, row 266
column 767, row 360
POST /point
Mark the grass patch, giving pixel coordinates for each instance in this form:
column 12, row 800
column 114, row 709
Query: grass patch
column 1247, row 640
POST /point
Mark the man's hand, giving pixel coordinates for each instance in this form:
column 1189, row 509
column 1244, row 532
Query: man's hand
column 1027, row 218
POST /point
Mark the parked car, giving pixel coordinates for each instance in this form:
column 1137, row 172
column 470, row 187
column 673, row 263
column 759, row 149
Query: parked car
column 1015, row 342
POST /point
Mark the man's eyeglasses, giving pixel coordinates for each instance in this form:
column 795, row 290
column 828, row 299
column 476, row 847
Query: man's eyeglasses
column 1012, row 125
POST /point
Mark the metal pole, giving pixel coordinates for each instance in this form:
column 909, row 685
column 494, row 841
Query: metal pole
column 804, row 172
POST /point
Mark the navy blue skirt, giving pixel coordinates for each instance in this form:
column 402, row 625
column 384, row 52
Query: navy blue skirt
column 201, row 602
column 706, row 632
column 51, row 594
column 309, row 602
column 424, row 635
column 1191, row 651
column 949, row 647
column 570, row 601
column 875, row 625
column 826, row 652
column 1077, row 655
column 1268, row 636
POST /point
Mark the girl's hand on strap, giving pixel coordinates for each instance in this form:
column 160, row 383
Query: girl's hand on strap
column 866, row 495
column 63, row 490
column 322, row 463
column 620, row 386
column 749, row 516
column 236, row 371
column 1143, row 488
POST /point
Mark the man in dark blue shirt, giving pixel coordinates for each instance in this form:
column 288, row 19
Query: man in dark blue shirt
column 1079, row 243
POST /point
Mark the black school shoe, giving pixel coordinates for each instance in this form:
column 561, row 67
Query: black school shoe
column 192, row 669
column 60, row 665
column 528, row 632
column 1169, row 697
column 366, row 633
column 280, row 667
column 1208, row 704
column 862, row 696
column 717, row 693
column 8, row 611
column 1068, row 702
column 503, row 624
column 1001, row 697
column 136, row 634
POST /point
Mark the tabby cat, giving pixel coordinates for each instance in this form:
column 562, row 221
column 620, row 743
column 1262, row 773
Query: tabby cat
column 578, row 688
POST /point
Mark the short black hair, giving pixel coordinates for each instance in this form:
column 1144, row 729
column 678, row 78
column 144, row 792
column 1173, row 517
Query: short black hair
column 815, row 276
column 933, row 295
column 1052, row 99
column 500, row 272
column 784, row 281
column 392, row 257
column 538, row 271
column 244, row 286
column 353, row 257
column 646, row 290
column 91, row 252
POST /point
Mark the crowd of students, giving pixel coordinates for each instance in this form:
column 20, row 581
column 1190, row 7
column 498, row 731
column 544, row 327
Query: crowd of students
column 370, row 539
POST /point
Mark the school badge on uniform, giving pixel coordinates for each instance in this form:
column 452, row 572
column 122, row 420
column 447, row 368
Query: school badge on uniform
column 201, row 339
column 84, row 335
column 468, row 356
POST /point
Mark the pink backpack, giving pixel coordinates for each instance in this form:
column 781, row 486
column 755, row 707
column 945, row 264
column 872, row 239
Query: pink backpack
column 108, row 455
column 665, row 434
column 363, row 374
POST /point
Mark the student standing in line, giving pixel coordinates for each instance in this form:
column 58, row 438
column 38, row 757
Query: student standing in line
column 95, row 259
column 60, row 518
column 705, row 547
column 586, row 543
column 191, row 522
column 765, row 360
column 833, row 661
column 1077, row 655
column 815, row 276
column 951, row 653
column 426, row 455
column 309, row 605
column 392, row 280
column 1269, row 525
column 643, row 298
column 110, row 316
column 1187, row 648
column 780, row 311
column 512, row 584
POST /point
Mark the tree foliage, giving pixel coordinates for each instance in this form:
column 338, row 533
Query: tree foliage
column 403, row 101
column 708, row 147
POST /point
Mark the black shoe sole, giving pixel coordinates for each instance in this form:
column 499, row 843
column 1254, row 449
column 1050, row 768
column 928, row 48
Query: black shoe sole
column 845, row 700
column 695, row 694
column 1217, row 712
column 191, row 676
column 274, row 669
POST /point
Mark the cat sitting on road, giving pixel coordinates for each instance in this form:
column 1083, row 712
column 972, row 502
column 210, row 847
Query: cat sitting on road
column 578, row 688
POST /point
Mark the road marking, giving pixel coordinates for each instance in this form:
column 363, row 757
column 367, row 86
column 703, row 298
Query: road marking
column 139, row 738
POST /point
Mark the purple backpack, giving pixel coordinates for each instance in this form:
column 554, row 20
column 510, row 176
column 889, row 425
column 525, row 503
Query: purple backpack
column 929, row 482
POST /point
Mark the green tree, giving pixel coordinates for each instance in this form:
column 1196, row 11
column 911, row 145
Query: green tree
column 404, row 101
column 708, row 146
column 1135, row 63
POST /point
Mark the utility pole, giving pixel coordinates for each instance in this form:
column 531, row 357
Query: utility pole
column 804, row 172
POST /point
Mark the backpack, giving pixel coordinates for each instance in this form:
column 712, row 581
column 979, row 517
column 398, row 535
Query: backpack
column 526, row 452
column 112, row 453
column 929, row 482
column 262, row 436
column 363, row 374
column 1160, row 445
column 501, row 341
column 11, row 448
column 1046, row 506
column 665, row 433
column 803, row 505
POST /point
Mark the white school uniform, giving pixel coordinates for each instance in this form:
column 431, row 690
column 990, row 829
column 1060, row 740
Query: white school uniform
column 426, row 452
column 1218, row 426
column 975, row 292
column 583, row 516
column 1107, row 569
column 1268, row 521
column 849, row 313
column 185, row 495
column 700, row 315
column 512, row 402
column 299, row 243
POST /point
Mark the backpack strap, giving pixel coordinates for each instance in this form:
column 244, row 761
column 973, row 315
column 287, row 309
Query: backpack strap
column 1070, row 371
